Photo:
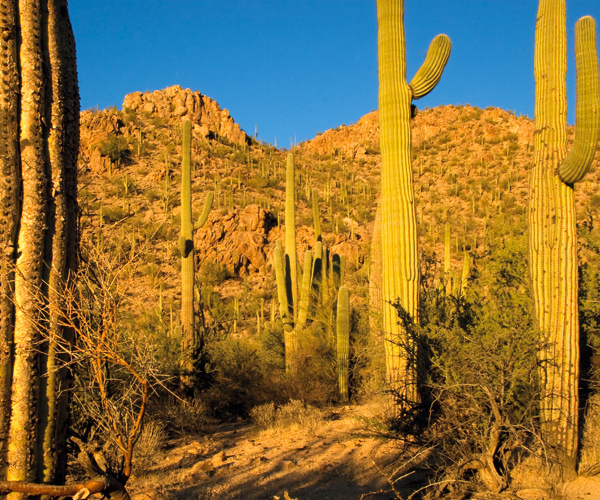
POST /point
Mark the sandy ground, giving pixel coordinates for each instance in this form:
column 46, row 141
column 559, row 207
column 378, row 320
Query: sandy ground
column 330, row 459
column 333, row 457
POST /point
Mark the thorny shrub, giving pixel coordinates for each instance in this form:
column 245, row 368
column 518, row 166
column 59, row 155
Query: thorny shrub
column 477, row 360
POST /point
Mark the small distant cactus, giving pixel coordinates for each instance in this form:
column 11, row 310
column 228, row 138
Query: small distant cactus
column 343, row 341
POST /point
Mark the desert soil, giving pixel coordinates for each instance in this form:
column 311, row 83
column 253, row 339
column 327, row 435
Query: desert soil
column 334, row 458
column 339, row 456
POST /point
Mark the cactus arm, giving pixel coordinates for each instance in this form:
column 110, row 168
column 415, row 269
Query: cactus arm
column 336, row 268
column 430, row 72
column 305, row 291
column 466, row 273
column 183, row 247
column 282, row 292
column 317, row 268
column 343, row 341
column 207, row 206
column 587, row 114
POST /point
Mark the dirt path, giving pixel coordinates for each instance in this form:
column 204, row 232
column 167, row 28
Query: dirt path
column 328, row 459
column 317, row 456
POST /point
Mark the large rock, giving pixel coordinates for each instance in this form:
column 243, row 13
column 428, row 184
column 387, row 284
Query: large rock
column 175, row 103
column 236, row 240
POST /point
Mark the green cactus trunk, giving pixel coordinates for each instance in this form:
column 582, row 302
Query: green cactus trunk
column 190, row 339
column 552, row 231
column 399, row 249
column 188, row 331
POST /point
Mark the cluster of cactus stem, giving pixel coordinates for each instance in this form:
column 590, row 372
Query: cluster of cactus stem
column 398, row 240
column 190, row 339
column 552, row 219
column 300, row 293
column 452, row 283
column 39, row 142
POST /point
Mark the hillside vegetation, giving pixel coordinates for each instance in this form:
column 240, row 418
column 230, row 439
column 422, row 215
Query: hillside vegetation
column 470, row 170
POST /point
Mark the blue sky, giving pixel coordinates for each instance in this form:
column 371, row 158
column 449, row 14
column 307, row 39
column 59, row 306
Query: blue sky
column 293, row 68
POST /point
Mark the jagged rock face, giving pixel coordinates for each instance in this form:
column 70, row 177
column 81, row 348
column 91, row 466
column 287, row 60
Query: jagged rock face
column 236, row 240
column 176, row 103
column 354, row 141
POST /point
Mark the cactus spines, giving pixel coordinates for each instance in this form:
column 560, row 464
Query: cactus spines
column 186, row 250
column 343, row 341
column 552, row 230
column 400, row 266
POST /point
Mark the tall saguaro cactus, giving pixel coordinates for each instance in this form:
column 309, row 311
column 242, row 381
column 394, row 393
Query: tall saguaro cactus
column 39, row 136
column 552, row 231
column 190, row 339
column 400, row 261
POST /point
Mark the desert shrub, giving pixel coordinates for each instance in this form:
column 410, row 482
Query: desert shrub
column 478, row 362
column 152, row 440
column 240, row 378
column 116, row 148
column 263, row 415
column 595, row 200
column 315, row 381
column 294, row 414
column 212, row 273
column 114, row 214
column 182, row 417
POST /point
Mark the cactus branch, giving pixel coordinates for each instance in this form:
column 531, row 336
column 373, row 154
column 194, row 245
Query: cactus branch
column 587, row 114
column 430, row 72
column 205, row 211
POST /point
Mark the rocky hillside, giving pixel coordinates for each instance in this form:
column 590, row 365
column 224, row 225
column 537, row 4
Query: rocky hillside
column 470, row 168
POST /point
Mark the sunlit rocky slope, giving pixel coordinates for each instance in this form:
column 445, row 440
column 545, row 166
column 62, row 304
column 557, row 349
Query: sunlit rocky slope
column 470, row 171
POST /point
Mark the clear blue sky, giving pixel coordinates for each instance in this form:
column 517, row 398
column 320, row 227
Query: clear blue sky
column 297, row 67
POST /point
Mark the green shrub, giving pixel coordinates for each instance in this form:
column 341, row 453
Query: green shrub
column 477, row 359
column 116, row 148
column 241, row 380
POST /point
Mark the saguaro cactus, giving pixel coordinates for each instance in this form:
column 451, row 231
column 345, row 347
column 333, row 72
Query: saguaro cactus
column 299, row 293
column 400, row 262
column 343, row 341
column 38, row 157
column 552, row 232
column 190, row 338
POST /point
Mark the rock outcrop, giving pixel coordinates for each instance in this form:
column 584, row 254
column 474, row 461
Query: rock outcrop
column 176, row 103
column 112, row 130
column 236, row 240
